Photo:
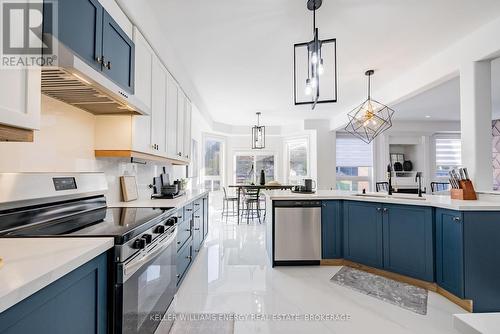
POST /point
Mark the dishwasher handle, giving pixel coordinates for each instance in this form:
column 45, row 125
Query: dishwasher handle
column 297, row 204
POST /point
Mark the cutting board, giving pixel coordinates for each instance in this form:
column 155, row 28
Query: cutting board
column 129, row 188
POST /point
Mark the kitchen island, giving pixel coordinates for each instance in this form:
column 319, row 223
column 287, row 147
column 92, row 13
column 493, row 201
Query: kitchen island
column 444, row 245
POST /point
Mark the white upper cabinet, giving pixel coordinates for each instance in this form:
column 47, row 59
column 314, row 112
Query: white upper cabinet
column 187, row 130
column 20, row 98
column 171, row 116
column 181, row 111
column 144, row 56
column 158, row 111
column 141, row 127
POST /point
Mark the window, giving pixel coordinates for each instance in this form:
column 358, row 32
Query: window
column 212, row 163
column 448, row 155
column 297, row 152
column 354, row 160
column 247, row 167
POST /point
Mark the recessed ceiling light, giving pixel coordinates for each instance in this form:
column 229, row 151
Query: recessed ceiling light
column 427, row 116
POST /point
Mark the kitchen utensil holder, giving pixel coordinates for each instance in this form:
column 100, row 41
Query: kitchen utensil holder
column 466, row 191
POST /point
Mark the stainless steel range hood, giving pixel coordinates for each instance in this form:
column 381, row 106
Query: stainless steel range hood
column 74, row 82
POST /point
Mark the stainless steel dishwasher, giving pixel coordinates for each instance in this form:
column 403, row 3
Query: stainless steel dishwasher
column 297, row 232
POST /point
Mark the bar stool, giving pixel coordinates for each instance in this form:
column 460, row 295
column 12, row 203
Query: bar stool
column 225, row 205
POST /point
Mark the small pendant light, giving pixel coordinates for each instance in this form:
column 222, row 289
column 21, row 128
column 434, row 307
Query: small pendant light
column 258, row 135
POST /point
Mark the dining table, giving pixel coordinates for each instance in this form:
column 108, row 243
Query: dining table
column 239, row 187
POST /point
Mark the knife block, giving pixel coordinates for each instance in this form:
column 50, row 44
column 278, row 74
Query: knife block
column 466, row 191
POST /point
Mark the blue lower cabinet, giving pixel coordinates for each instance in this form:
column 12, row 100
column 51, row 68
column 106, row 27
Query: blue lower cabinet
column 450, row 251
column 363, row 233
column 408, row 240
column 481, row 235
column 331, row 230
column 75, row 303
column 184, row 232
column 184, row 259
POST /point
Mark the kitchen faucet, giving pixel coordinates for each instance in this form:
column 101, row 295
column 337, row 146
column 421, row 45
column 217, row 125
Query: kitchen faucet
column 389, row 178
column 418, row 177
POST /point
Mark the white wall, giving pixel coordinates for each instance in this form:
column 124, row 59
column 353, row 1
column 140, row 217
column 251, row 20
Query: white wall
column 65, row 143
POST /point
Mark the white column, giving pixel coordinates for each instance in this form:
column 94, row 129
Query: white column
column 475, row 118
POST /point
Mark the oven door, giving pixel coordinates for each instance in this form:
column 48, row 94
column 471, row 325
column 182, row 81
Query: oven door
column 145, row 289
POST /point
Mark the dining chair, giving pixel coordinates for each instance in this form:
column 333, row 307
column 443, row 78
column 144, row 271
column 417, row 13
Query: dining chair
column 251, row 204
column 382, row 186
column 225, row 205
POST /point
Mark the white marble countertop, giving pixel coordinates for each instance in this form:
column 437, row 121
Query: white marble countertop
column 485, row 202
column 178, row 202
column 30, row 264
column 477, row 323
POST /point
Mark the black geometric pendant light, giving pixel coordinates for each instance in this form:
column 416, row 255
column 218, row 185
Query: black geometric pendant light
column 258, row 135
column 371, row 118
column 315, row 67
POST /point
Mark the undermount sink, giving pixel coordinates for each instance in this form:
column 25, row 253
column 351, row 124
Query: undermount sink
column 410, row 197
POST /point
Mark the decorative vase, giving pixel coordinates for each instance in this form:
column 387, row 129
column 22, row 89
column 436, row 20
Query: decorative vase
column 262, row 177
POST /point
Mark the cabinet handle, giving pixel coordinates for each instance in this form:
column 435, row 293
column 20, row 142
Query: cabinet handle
column 196, row 250
column 189, row 257
column 177, row 275
column 189, row 209
column 457, row 219
column 100, row 60
column 188, row 230
column 179, row 154
column 178, row 242
column 385, row 209
column 108, row 65
column 197, row 229
column 379, row 209
column 196, row 216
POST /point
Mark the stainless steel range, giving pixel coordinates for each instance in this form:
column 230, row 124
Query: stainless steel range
column 143, row 268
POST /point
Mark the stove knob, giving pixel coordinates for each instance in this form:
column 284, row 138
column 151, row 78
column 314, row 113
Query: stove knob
column 148, row 238
column 139, row 243
column 159, row 229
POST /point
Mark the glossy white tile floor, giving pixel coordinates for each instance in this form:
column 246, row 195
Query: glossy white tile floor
column 232, row 275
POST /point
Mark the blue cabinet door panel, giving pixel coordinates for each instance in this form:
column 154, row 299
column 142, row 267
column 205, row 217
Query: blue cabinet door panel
column 76, row 303
column 331, row 230
column 450, row 251
column 119, row 52
column 481, row 263
column 80, row 28
column 184, row 257
column 408, row 240
column 363, row 233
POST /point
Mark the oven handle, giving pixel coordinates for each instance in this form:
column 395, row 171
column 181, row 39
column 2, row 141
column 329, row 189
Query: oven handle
column 129, row 268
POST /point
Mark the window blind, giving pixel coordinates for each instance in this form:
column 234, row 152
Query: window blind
column 353, row 152
column 448, row 152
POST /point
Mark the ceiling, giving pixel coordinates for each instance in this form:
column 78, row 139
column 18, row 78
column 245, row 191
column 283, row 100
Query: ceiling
column 442, row 103
column 238, row 54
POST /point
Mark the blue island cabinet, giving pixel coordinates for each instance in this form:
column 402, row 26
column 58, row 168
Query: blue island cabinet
column 363, row 233
column 481, row 237
column 75, row 303
column 450, row 251
column 331, row 230
column 408, row 240
column 397, row 238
